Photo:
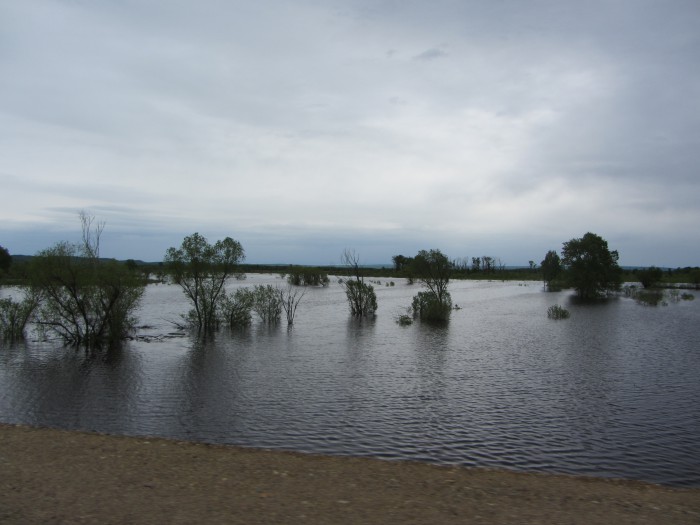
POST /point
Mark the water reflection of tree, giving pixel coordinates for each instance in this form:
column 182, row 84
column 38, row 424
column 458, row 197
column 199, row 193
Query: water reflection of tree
column 431, row 354
column 57, row 386
column 207, row 384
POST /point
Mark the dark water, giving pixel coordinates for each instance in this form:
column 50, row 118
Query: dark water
column 614, row 391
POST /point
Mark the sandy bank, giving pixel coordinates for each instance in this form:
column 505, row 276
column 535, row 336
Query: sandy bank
column 53, row 476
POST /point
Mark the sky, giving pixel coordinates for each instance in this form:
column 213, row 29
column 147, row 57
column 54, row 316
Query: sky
column 301, row 128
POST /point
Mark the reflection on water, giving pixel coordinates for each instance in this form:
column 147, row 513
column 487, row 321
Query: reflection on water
column 612, row 391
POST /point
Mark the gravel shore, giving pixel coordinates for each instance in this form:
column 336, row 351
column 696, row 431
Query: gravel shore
column 55, row 476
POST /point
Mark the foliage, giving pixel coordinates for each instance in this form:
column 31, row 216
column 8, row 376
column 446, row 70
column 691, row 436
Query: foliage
column 361, row 296
column 401, row 263
column 235, row 308
column 85, row 300
column 5, row 260
column 290, row 299
column 202, row 269
column 428, row 307
column 557, row 312
column 551, row 268
column 592, row 268
column 404, row 319
column 305, row 276
column 14, row 315
column 433, row 269
column 267, row 303
column 650, row 297
column 656, row 297
column 649, row 277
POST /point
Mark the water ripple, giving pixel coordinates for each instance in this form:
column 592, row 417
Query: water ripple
column 610, row 392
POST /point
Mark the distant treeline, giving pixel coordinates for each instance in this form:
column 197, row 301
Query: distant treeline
column 17, row 271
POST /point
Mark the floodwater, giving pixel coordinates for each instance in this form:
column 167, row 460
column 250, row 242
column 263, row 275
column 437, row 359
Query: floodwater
column 613, row 391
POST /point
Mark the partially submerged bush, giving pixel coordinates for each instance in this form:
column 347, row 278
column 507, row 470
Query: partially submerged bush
column 267, row 303
column 15, row 315
column 557, row 312
column 649, row 297
column 649, row 277
column 405, row 318
column 656, row 297
column 428, row 307
column 85, row 300
column 235, row 308
column 307, row 277
column 290, row 299
column 361, row 297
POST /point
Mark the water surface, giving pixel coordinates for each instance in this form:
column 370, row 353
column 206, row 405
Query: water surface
column 613, row 391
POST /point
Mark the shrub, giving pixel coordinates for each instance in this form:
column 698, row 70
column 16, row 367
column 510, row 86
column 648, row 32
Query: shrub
column 307, row 277
column 267, row 303
column 235, row 308
column 404, row 320
column 649, row 297
column 290, row 299
column 557, row 312
column 14, row 315
column 649, row 277
column 428, row 307
column 361, row 298
column 85, row 300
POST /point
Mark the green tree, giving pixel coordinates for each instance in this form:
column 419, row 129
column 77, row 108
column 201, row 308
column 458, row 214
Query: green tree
column 267, row 303
column 5, row 260
column 15, row 315
column 235, row 307
column 591, row 268
column 305, row 276
column 551, row 267
column 432, row 268
column 202, row 269
column 400, row 262
column 361, row 296
column 651, row 276
column 85, row 300
column 476, row 264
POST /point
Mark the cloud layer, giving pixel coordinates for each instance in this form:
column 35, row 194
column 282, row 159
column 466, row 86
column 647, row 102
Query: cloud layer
column 302, row 128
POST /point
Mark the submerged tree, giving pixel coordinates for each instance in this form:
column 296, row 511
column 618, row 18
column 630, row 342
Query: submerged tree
column 202, row 269
column 85, row 300
column 305, row 276
column 551, row 267
column 5, row 260
column 290, row 299
column 433, row 269
column 650, row 277
column 361, row 296
column 592, row 268
column 234, row 308
column 15, row 315
column 267, row 303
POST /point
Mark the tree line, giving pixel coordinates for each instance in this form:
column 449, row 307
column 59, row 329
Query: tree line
column 86, row 301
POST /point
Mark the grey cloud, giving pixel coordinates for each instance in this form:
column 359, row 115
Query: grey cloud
column 259, row 114
column 430, row 54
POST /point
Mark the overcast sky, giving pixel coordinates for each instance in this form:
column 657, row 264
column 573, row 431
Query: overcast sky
column 300, row 128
